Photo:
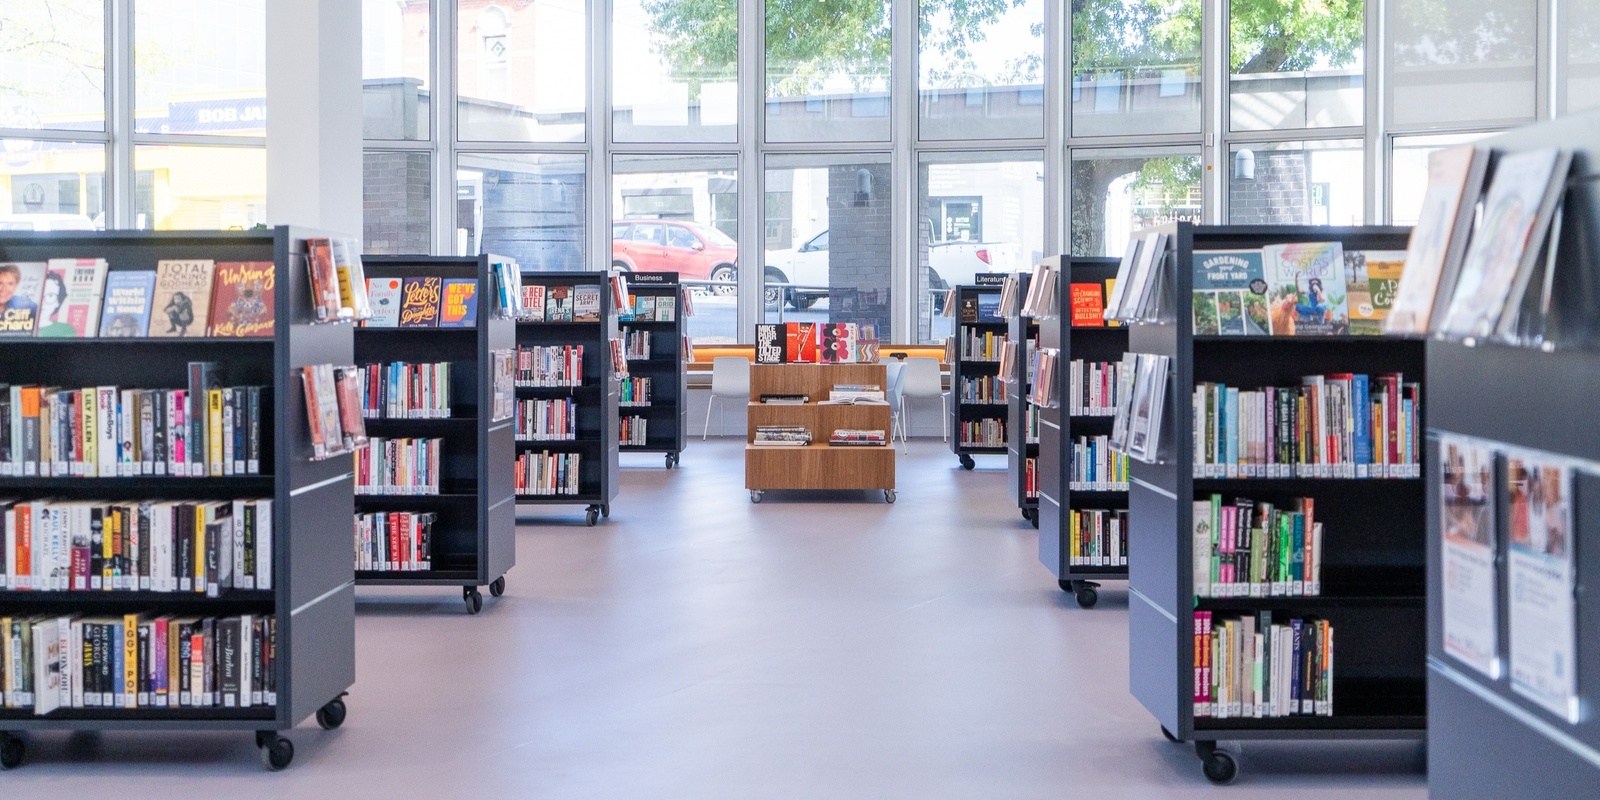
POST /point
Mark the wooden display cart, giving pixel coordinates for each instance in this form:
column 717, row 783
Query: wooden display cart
column 817, row 465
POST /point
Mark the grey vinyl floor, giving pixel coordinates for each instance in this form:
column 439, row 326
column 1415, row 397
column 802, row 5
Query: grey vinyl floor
column 700, row 646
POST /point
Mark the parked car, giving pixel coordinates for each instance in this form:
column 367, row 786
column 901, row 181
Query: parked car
column 952, row 263
column 694, row 251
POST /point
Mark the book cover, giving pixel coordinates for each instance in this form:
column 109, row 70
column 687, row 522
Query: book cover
column 70, row 306
column 968, row 309
column 1230, row 293
column 838, row 344
column 666, row 308
column 771, row 344
column 1111, row 288
column 867, row 342
column 644, row 308
column 352, row 277
column 625, row 311
column 21, row 288
column 460, row 303
column 533, row 301
column 419, row 302
column 558, row 304
column 802, row 342
column 182, row 302
column 1455, row 180
column 1088, row 308
column 242, row 298
column 1374, row 276
column 989, row 308
column 1307, row 285
column 586, row 303
column 384, row 295
column 125, row 314
column 325, row 299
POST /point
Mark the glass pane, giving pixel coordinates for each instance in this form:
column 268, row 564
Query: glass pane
column 199, row 188
column 394, row 69
column 52, row 186
column 528, row 207
column 822, row 268
column 200, row 66
column 1408, row 172
column 827, row 71
column 520, row 71
column 1461, row 61
column 692, row 205
column 1579, row 21
column 1135, row 67
column 1297, row 183
column 979, row 214
column 1296, row 65
column 52, row 64
column 674, row 67
column 1117, row 192
column 395, row 189
column 982, row 70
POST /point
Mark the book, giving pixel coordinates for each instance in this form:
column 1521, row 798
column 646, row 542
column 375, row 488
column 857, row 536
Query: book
column 70, row 306
column 771, row 343
column 419, row 302
column 838, row 345
column 586, row 303
column 242, row 299
column 460, row 304
column 1307, row 285
column 558, row 304
column 352, row 277
column 968, row 309
column 666, row 308
column 1088, row 308
column 21, row 288
column 644, row 308
column 801, row 338
column 1111, row 288
column 1437, row 243
column 384, row 295
column 182, row 302
column 326, row 302
column 125, row 314
column 1517, row 210
column 1230, row 294
column 1373, row 276
column 533, row 302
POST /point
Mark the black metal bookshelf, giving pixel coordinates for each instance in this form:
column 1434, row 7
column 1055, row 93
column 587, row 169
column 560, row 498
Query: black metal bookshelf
column 1059, row 429
column 1373, row 553
column 1486, row 740
column 1022, row 443
column 473, row 537
column 970, row 321
column 595, row 400
column 666, row 411
column 313, row 593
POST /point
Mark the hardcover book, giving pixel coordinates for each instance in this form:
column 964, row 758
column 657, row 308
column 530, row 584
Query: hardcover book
column 1111, row 288
column 1307, row 285
column 1230, row 294
column 1088, row 309
column 867, row 343
column 989, row 308
column 558, row 304
column 533, row 302
column 242, row 299
column 352, row 277
column 1455, row 180
column 460, row 303
column 586, row 303
column 838, row 343
column 419, row 302
column 802, row 342
column 324, row 275
column 182, row 302
column 70, row 306
column 21, row 287
column 125, row 314
column 771, row 344
column 644, row 308
column 969, row 309
column 666, row 308
column 1374, row 277
column 384, row 294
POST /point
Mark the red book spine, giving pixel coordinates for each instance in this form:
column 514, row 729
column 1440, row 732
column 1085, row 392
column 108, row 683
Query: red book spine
column 394, row 541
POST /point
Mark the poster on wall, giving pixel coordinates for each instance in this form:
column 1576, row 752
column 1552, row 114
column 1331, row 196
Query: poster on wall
column 1543, row 616
column 1467, row 572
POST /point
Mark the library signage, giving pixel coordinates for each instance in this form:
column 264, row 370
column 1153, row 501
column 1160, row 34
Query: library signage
column 642, row 278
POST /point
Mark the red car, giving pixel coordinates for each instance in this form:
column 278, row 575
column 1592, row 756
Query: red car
column 694, row 251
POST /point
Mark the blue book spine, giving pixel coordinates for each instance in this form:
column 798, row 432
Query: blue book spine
column 1233, row 431
column 1297, row 557
column 1363, row 425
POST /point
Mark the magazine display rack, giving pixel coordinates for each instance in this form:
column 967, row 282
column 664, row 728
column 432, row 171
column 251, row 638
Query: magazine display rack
column 978, row 410
column 657, row 387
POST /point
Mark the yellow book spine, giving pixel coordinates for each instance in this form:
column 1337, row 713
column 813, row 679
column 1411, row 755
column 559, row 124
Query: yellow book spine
column 130, row 660
column 108, row 547
column 214, row 431
column 88, row 453
column 200, row 514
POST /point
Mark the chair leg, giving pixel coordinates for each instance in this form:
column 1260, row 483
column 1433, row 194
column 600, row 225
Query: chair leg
column 944, row 414
column 710, row 401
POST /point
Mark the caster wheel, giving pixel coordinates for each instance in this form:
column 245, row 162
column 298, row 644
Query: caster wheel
column 276, row 753
column 888, row 495
column 605, row 511
column 592, row 517
column 498, row 587
column 473, row 599
column 331, row 715
column 1220, row 768
column 967, row 462
column 12, row 751
column 1170, row 737
column 1066, row 586
column 1087, row 597
column 755, row 495
column 262, row 737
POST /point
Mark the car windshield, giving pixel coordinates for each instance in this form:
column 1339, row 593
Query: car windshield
column 717, row 237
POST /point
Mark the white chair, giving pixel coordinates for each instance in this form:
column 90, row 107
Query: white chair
column 730, row 380
column 921, row 380
column 896, row 370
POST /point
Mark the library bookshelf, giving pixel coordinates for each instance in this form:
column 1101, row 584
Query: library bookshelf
column 978, row 410
column 664, row 408
column 817, row 465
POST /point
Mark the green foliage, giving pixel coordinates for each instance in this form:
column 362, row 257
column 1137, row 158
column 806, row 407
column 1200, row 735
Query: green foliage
column 1290, row 35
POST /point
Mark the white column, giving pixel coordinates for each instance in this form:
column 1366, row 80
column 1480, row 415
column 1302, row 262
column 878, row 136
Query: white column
column 314, row 114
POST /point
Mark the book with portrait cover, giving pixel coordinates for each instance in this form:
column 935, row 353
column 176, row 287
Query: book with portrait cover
column 21, row 286
column 125, row 314
column 70, row 306
column 182, row 302
column 419, row 302
column 384, row 295
column 242, row 299
column 558, row 304
column 586, row 303
column 1307, row 285
column 460, row 303
column 1088, row 308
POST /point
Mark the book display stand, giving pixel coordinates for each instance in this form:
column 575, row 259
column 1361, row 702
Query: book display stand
column 1066, row 549
column 309, row 595
column 581, row 469
column 817, row 464
column 471, row 539
column 656, row 390
column 978, row 410
column 1022, row 437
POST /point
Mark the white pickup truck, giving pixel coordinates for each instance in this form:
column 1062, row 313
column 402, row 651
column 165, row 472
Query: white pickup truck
column 805, row 268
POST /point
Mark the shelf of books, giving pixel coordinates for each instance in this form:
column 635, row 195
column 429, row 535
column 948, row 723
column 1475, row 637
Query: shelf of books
column 435, row 367
column 569, row 368
column 1275, row 496
column 978, row 410
column 654, row 405
column 173, row 543
column 797, row 440
column 1083, row 484
column 1018, row 357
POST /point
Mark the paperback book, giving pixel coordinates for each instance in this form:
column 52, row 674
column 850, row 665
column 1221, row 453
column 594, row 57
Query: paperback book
column 125, row 314
column 182, row 303
column 243, row 301
column 21, row 289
